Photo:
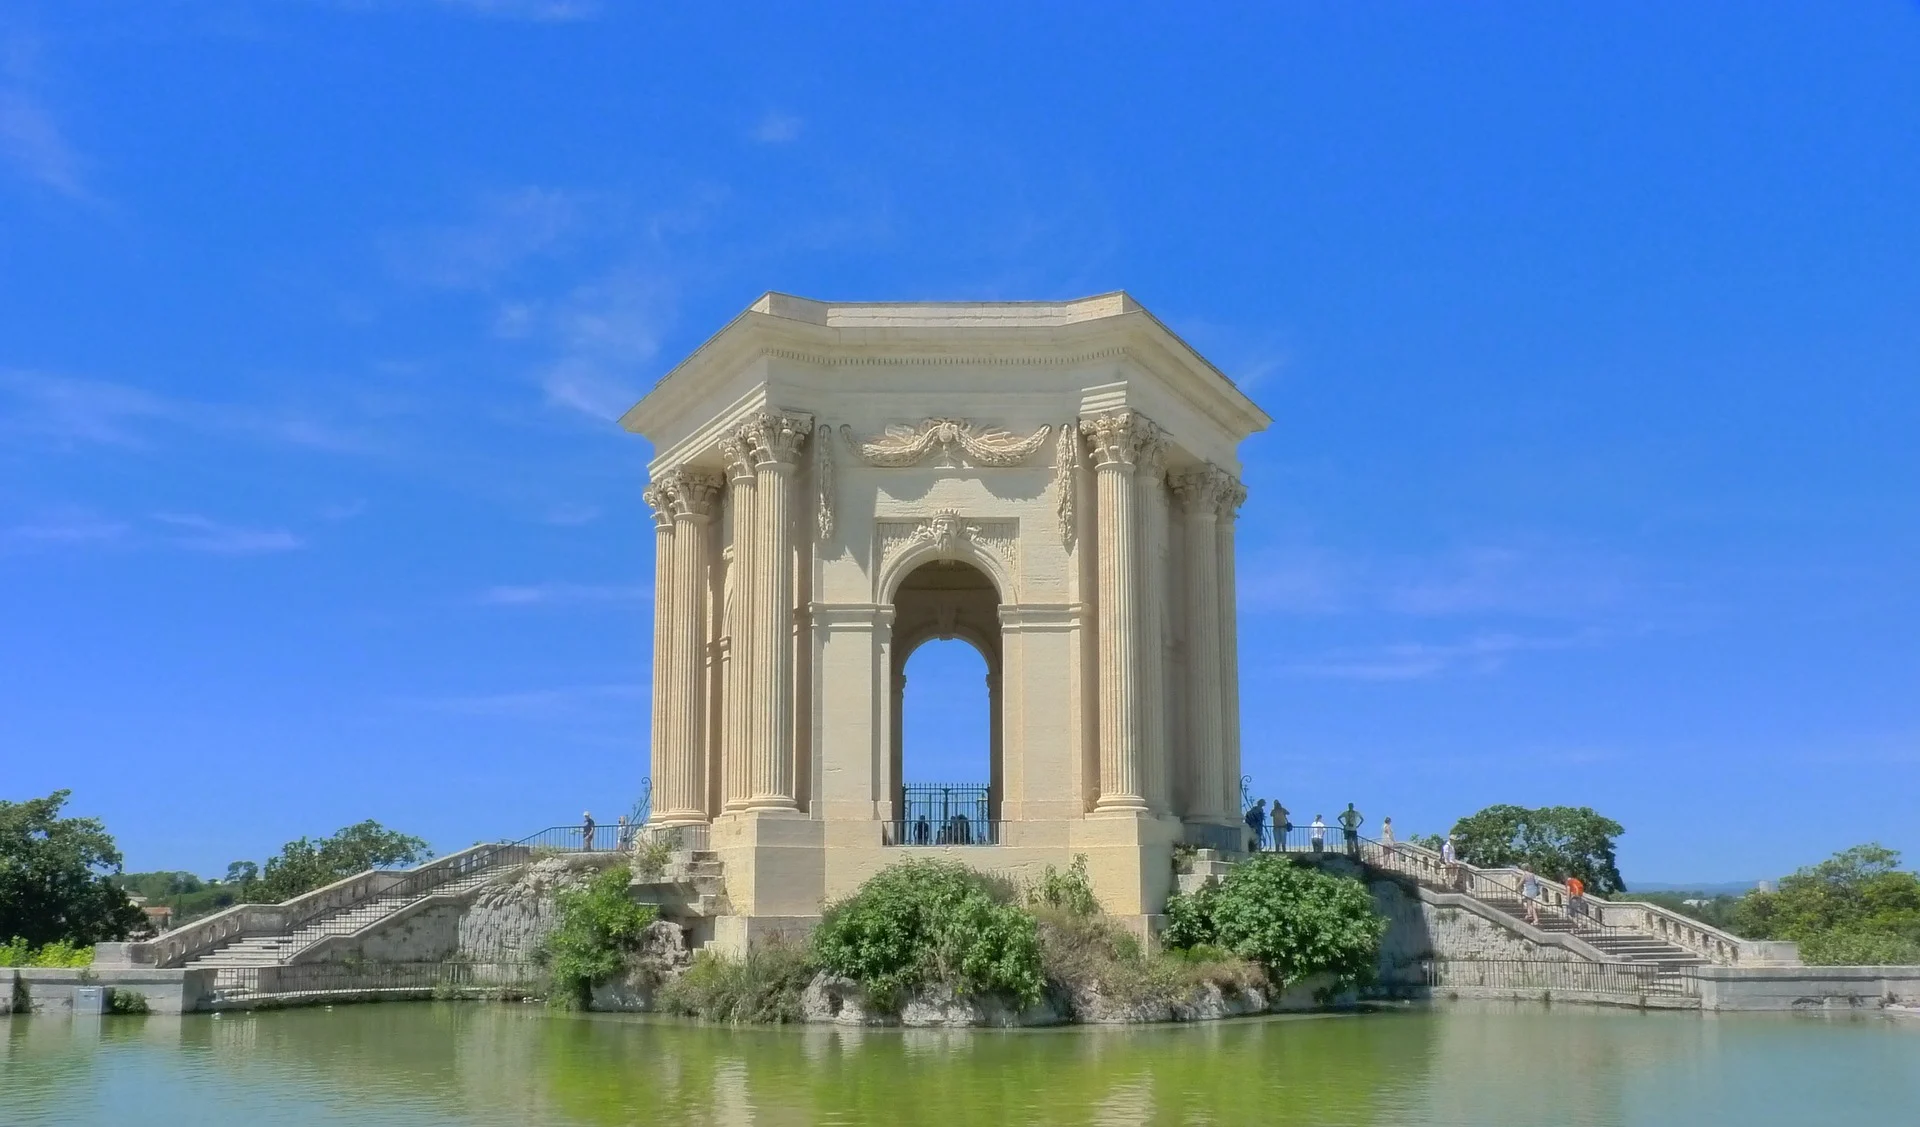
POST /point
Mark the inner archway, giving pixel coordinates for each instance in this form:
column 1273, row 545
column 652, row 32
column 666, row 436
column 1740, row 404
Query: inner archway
column 946, row 724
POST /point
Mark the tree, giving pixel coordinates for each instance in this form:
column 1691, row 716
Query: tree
column 307, row 864
column 1857, row 907
column 1554, row 841
column 57, row 877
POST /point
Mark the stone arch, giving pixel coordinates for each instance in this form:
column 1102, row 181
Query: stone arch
column 905, row 547
column 942, row 597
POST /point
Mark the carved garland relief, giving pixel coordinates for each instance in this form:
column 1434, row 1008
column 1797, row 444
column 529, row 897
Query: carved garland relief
column 956, row 442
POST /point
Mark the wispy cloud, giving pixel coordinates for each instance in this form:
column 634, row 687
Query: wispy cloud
column 203, row 534
column 543, row 11
column 563, row 594
column 566, row 702
column 572, row 513
column 31, row 141
column 69, row 411
column 68, row 530
column 1411, row 661
column 604, row 332
column 505, row 230
column 343, row 510
column 777, row 128
column 1516, row 580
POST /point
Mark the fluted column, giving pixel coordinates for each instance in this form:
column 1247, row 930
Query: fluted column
column 743, row 646
column 659, row 497
column 1112, row 439
column 1232, row 496
column 1199, row 492
column 1149, row 478
column 996, row 765
column 683, row 790
column 776, row 439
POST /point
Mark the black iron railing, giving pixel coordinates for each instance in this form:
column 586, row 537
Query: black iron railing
column 945, row 814
column 958, row 831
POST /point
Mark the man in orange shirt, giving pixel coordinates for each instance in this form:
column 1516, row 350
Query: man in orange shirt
column 1576, row 897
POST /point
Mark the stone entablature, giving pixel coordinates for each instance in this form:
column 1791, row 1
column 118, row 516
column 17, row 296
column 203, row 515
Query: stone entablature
column 828, row 476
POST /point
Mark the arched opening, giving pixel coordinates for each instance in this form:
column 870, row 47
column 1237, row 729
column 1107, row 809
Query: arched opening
column 946, row 707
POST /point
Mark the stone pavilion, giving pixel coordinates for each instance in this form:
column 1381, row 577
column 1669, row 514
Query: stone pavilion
column 835, row 484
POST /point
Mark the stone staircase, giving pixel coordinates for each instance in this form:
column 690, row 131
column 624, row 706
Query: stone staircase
column 1619, row 944
column 692, row 885
column 279, row 948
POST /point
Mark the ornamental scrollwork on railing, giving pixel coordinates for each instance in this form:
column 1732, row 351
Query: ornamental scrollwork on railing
column 956, row 442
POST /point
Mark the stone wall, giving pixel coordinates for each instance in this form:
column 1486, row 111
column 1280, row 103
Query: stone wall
column 1807, row 988
column 502, row 921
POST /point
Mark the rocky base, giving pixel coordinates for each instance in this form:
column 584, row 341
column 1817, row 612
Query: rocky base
column 841, row 1001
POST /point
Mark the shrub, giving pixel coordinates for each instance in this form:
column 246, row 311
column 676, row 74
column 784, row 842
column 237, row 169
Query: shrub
column 56, row 954
column 924, row 922
column 1858, row 948
column 126, row 1002
column 1293, row 920
column 763, row 987
column 600, row 928
column 1070, row 891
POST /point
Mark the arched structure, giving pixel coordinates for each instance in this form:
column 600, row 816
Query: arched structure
column 945, row 598
column 833, row 484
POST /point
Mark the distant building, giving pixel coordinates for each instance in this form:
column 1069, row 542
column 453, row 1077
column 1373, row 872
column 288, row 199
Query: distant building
column 160, row 916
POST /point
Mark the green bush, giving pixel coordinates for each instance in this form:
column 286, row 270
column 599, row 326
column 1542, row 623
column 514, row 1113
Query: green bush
column 1291, row 919
column 1070, row 891
column 56, row 954
column 600, row 928
column 126, row 1002
column 1859, row 948
column 763, row 987
column 924, row 922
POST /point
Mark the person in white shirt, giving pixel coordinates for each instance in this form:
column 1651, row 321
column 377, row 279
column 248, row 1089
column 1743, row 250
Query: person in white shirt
column 1319, row 829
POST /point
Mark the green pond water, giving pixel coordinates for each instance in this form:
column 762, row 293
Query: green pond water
column 452, row 1063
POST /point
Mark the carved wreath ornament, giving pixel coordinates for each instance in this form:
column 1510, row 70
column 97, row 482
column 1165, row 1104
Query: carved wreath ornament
column 953, row 441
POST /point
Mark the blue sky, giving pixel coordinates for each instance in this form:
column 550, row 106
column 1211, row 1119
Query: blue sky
column 1591, row 337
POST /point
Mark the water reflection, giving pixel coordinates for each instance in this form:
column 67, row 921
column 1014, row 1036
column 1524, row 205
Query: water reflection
column 414, row 1065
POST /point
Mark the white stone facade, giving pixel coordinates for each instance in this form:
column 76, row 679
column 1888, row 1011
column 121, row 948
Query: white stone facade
column 834, row 484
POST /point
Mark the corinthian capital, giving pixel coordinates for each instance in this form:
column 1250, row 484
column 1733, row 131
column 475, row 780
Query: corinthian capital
column 1115, row 437
column 694, row 493
column 776, row 437
column 1232, row 496
column 1150, row 446
column 737, row 449
column 1200, row 489
column 659, row 497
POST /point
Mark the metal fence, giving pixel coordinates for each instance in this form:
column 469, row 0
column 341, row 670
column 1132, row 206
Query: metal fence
column 366, row 977
column 944, row 814
column 1623, row 981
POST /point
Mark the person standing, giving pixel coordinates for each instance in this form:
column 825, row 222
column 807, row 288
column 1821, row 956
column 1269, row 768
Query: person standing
column 1257, row 822
column 586, row 831
column 1318, row 834
column 1386, row 839
column 1576, row 897
column 1450, row 858
column 1350, row 820
column 1278, row 815
column 621, row 831
column 1530, row 895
